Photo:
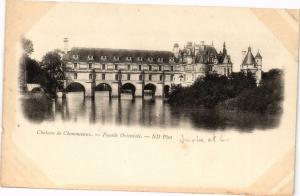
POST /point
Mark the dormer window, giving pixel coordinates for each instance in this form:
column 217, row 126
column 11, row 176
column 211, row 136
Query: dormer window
column 128, row 58
column 103, row 58
column 140, row 58
column 75, row 56
column 171, row 59
column 160, row 60
column 150, row 59
column 116, row 58
column 90, row 57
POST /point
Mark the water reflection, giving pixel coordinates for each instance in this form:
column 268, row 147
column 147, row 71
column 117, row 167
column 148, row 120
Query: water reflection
column 147, row 112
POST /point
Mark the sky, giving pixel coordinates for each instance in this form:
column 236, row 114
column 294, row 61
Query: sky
column 156, row 28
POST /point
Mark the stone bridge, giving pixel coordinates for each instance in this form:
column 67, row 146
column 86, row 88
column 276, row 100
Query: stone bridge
column 137, row 88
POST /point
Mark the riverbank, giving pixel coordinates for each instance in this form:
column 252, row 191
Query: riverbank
column 37, row 106
column 239, row 92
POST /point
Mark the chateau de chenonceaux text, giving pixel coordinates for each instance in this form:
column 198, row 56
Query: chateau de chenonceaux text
column 149, row 72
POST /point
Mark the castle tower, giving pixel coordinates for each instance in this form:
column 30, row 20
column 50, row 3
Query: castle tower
column 258, row 60
column 253, row 65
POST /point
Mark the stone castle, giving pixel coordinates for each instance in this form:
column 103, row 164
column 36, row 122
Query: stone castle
column 144, row 72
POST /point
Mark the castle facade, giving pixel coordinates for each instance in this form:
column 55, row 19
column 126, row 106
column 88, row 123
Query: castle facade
column 142, row 72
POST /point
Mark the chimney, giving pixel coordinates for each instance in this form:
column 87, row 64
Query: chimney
column 202, row 45
column 66, row 42
column 176, row 50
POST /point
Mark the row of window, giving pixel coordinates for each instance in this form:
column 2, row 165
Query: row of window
column 128, row 77
column 116, row 67
column 117, row 58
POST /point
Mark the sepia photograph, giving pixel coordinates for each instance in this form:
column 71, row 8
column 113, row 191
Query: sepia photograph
column 196, row 83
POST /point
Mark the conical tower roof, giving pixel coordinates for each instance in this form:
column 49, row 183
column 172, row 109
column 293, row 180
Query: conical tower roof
column 249, row 58
column 258, row 55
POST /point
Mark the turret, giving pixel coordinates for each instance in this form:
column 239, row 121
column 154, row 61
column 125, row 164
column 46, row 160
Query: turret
column 253, row 65
column 224, row 49
column 258, row 59
column 176, row 50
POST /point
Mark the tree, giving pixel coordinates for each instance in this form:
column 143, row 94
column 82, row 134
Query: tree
column 53, row 65
column 238, row 92
column 26, row 62
column 27, row 46
column 33, row 69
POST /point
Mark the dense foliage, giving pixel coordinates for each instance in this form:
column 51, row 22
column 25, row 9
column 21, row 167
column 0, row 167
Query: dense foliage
column 48, row 73
column 52, row 64
column 237, row 92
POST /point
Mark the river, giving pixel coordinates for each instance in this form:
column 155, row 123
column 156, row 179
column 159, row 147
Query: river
column 152, row 113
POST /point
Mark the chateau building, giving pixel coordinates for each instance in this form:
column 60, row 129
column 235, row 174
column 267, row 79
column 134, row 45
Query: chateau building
column 142, row 72
column 253, row 65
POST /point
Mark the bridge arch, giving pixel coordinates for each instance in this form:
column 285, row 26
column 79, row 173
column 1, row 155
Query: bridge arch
column 128, row 88
column 37, row 89
column 104, row 87
column 150, row 89
column 75, row 87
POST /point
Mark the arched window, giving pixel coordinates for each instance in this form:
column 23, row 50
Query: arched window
column 172, row 77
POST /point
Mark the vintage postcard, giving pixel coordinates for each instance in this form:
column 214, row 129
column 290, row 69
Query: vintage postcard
column 150, row 98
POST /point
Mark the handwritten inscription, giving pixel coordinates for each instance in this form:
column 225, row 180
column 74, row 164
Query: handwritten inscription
column 198, row 139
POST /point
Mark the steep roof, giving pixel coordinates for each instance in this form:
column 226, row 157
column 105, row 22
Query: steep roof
column 83, row 54
column 205, row 52
column 258, row 55
column 226, row 59
column 249, row 58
